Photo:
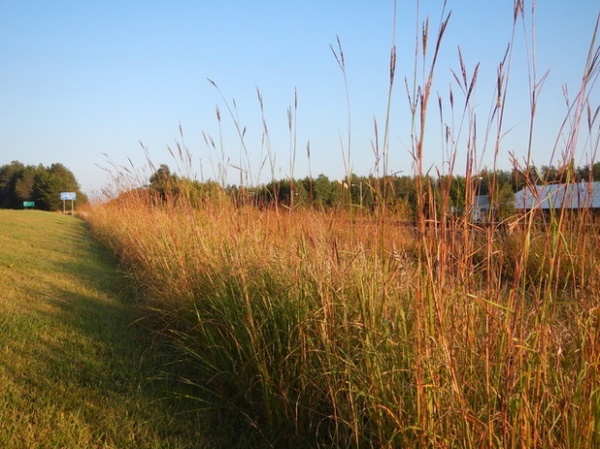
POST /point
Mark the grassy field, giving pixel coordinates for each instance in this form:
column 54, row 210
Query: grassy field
column 310, row 330
column 297, row 327
column 74, row 368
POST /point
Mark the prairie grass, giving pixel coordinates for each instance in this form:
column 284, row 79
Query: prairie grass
column 324, row 329
column 314, row 330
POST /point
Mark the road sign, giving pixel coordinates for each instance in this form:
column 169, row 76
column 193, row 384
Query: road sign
column 28, row 204
column 68, row 196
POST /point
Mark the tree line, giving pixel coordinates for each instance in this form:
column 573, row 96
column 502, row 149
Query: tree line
column 397, row 194
column 21, row 184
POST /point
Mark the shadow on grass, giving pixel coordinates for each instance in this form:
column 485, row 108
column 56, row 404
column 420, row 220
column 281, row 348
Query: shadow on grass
column 88, row 370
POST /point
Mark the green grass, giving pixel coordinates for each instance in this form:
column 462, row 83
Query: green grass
column 75, row 361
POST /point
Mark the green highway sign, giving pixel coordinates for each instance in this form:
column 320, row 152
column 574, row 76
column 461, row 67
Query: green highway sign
column 27, row 204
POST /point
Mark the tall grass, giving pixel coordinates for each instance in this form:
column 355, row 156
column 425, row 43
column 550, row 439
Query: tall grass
column 314, row 329
column 309, row 332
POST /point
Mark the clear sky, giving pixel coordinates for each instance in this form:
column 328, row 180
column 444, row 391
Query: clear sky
column 81, row 79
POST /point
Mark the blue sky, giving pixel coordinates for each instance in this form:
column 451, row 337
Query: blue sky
column 83, row 79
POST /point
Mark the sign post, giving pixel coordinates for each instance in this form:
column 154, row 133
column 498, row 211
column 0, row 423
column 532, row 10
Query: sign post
column 68, row 196
column 28, row 204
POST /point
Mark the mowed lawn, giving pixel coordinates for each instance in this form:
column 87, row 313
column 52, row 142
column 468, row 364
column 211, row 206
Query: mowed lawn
column 78, row 365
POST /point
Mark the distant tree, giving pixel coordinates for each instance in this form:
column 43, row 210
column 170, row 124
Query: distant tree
column 505, row 177
column 43, row 185
column 46, row 190
column 454, row 187
column 50, row 182
column 161, row 176
column 164, row 183
column 596, row 172
column 326, row 193
column 405, row 192
column 302, row 194
column 25, row 185
column 281, row 192
column 9, row 174
column 589, row 173
column 361, row 191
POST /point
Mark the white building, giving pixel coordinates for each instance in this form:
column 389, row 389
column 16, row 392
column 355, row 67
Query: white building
column 580, row 195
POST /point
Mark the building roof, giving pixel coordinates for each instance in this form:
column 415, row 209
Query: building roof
column 556, row 196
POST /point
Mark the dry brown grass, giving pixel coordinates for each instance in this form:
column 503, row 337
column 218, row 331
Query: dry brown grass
column 367, row 333
column 326, row 329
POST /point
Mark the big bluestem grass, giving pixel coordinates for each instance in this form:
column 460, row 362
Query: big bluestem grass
column 255, row 301
column 317, row 329
column 309, row 332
